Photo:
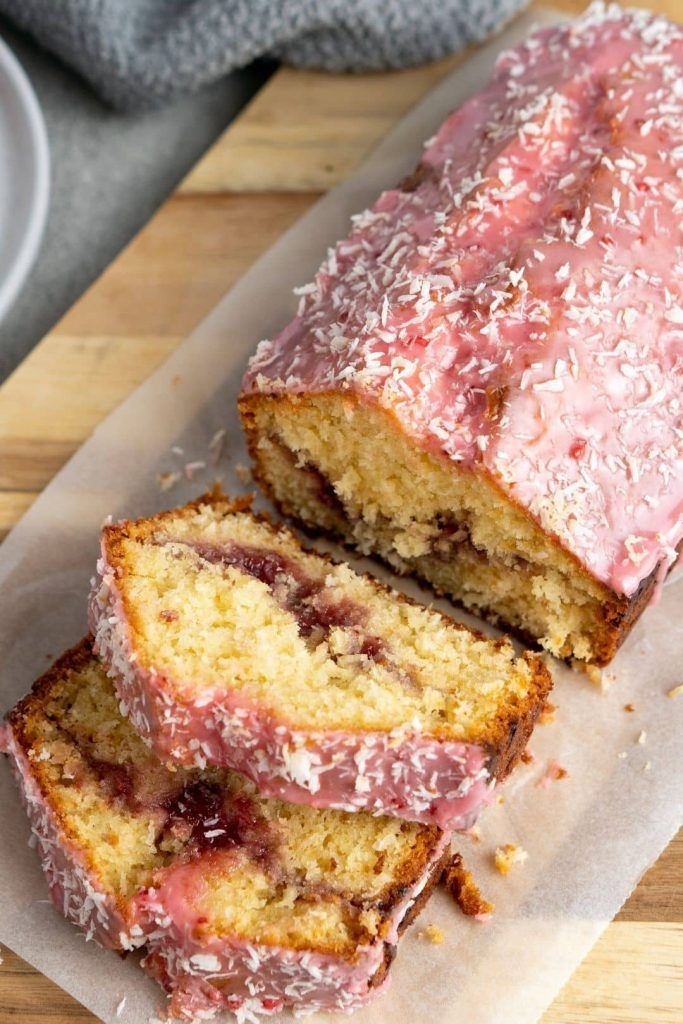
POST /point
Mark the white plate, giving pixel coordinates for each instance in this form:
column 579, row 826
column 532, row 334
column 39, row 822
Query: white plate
column 24, row 176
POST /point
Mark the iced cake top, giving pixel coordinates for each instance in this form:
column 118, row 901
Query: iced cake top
column 521, row 308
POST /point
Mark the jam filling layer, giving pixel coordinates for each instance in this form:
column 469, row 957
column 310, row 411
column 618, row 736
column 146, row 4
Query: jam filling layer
column 205, row 818
column 197, row 816
column 316, row 610
column 193, row 815
column 453, row 535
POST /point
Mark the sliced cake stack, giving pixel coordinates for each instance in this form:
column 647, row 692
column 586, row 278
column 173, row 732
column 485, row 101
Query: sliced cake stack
column 253, row 766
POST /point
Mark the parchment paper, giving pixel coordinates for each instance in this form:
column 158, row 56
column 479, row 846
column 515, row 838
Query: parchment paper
column 589, row 837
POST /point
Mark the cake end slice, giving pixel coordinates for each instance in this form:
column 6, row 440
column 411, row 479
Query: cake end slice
column 240, row 902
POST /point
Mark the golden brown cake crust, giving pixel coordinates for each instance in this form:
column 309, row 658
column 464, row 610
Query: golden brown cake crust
column 415, row 910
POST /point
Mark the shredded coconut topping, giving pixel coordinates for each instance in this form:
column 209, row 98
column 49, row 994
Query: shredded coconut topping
column 541, row 254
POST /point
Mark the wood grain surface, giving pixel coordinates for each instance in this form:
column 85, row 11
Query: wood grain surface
column 302, row 134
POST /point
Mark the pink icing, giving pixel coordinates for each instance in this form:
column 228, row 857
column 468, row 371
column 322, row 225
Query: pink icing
column 539, row 268
column 251, row 978
column 402, row 773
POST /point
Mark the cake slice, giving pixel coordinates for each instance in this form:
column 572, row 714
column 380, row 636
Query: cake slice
column 483, row 383
column 229, row 644
column 240, row 902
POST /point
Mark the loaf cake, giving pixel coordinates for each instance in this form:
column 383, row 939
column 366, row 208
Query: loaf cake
column 240, row 902
column 231, row 645
column 483, row 383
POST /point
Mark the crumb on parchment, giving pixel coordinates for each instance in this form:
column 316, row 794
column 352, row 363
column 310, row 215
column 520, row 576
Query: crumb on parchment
column 434, row 934
column 548, row 713
column 460, row 884
column 167, row 480
column 675, row 691
column 507, row 856
column 553, row 773
column 594, row 674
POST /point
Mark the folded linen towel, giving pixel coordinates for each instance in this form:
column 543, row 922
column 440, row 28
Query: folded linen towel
column 141, row 53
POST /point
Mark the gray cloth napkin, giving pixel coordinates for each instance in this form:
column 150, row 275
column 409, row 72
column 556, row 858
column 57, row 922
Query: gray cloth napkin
column 141, row 53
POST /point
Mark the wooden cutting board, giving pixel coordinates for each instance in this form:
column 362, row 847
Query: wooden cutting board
column 302, row 134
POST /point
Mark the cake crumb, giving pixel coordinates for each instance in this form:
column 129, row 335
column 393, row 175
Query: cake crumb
column 474, row 832
column 647, row 766
column 548, row 713
column 630, row 708
column 167, row 480
column 622, row 754
column 553, row 773
column 595, row 675
column 507, row 856
column 526, row 757
column 642, row 736
column 460, row 884
column 434, row 934
column 120, row 1006
column 675, row 691
column 243, row 472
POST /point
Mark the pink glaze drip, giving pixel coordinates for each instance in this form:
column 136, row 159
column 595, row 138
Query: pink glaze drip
column 538, row 264
column 202, row 974
column 402, row 773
